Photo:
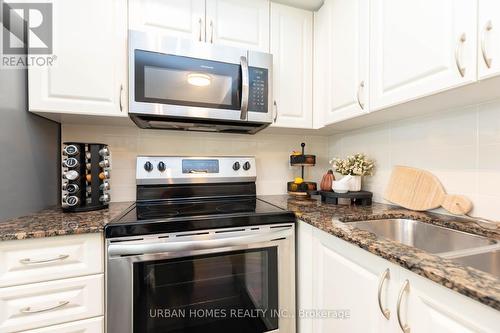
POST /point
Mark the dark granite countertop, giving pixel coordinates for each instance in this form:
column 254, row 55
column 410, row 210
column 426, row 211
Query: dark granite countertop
column 53, row 222
column 468, row 281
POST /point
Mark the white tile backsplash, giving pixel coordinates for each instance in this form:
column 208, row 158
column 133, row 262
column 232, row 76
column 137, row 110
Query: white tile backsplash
column 461, row 147
column 271, row 151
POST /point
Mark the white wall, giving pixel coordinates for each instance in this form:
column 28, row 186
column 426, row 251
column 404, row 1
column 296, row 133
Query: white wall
column 461, row 147
column 271, row 151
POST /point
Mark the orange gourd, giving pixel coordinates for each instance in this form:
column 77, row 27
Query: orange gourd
column 326, row 181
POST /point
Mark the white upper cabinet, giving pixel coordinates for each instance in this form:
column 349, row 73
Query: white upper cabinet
column 183, row 18
column 292, row 49
column 489, row 38
column 349, row 60
column 420, row 47
column 321, row 64
column 238, row 23
column 89, row 73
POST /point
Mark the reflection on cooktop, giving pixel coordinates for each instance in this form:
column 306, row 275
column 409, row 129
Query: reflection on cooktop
column 158, row 210
column 166, row 210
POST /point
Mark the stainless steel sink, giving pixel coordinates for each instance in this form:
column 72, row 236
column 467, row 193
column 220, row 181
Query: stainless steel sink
column 488, row 262
column 425, row 236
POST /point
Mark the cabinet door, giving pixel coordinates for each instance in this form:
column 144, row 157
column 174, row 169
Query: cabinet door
column 346, row 279
column 93, row 325
column 238, row 23
column 291, row 46
column 51, row 258
column 182, row 18
column 321, row 68
column 427, row 307
column 489, row 38
column 49, row 303
column 304, row 274
column 420, row 47
column 89, row 73
column 349, row 59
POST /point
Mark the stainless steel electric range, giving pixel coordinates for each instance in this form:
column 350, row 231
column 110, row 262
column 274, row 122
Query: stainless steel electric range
column 199, row 252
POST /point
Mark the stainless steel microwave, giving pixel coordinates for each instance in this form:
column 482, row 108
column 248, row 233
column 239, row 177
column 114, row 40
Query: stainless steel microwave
column 182, row 84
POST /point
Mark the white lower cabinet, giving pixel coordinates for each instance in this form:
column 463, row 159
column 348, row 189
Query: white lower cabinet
column 427, row 307
column 347, row 286
column 48, row 303
column 53, row 284
column 356, row 291
column 51, row 258
column 304, row 274
column 93, row 325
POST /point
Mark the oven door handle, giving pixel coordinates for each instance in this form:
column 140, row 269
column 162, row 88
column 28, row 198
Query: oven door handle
column 178, row 246
column 245, row 88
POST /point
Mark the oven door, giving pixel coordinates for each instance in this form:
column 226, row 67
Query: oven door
column 229, row 280
column 174, row 77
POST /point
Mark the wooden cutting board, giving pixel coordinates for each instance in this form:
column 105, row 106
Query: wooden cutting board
column 420, row 190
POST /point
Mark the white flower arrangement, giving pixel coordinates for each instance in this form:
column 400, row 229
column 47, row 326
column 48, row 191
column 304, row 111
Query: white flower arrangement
column 355, row 165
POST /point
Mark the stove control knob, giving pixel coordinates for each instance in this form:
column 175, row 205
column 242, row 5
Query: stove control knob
column 246, row 166
column 236, row 166
column 148, row 166
column 161, row 166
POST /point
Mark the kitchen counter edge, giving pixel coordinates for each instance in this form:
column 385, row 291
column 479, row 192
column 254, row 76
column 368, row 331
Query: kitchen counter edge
column 54, row 222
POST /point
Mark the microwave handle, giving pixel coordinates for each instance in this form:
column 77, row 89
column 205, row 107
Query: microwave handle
column 149, row 248
column 245, row 91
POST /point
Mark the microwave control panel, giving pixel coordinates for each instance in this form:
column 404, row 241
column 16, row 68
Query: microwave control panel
column 258, row 92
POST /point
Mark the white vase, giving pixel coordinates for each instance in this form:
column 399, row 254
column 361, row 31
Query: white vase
column 355, row 184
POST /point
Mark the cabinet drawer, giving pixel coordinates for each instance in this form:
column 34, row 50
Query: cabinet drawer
column 44, row 259
column 49, row 303
column 93, row 325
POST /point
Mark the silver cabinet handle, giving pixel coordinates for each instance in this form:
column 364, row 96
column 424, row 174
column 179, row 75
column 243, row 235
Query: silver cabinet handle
column 211, row 32
column 386, row 275
column 28, row 261
column 134, row 249
column 121, row 93
column 487, row 28
column 461, row 41
column 361, row 86
column 406, row 288
column 29, row 310
column 275, row 112
column 245, row 91
column 200, row 23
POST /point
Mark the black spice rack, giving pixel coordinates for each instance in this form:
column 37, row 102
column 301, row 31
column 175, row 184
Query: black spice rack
column 85, row 176
column 302, row 161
